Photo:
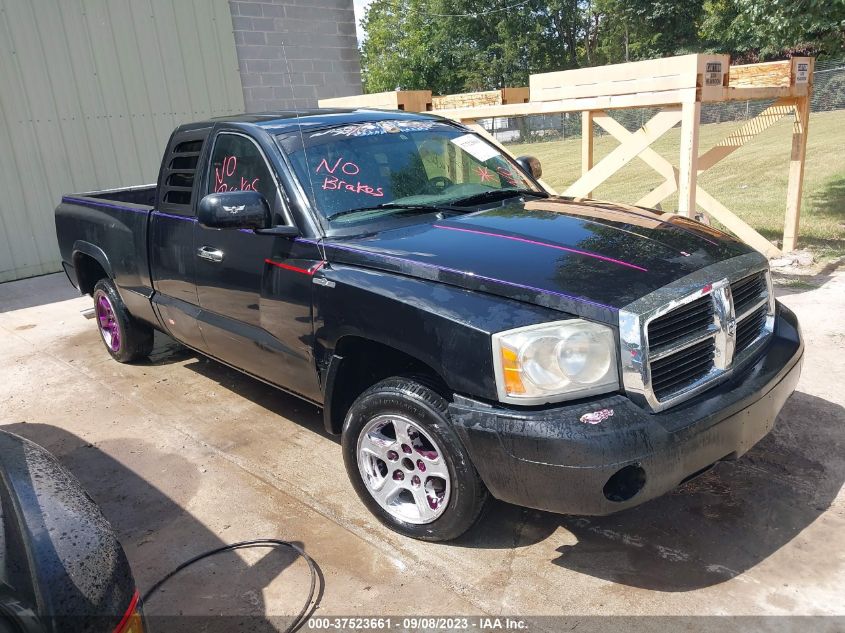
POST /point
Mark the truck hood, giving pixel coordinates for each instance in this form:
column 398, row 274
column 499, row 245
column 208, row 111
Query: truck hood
column 584, row 257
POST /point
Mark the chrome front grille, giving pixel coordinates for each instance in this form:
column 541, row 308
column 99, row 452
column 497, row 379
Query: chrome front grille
column 681, row 368
column 691, row 319
column 750, row 328
column 748, row 293
column 684, row 338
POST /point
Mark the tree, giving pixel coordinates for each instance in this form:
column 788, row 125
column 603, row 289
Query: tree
column 645, row 29
column 450, row 46
column 752, row 30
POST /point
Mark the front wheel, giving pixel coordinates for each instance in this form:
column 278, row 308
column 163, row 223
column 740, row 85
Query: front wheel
column 125, row 338
column 407, row 464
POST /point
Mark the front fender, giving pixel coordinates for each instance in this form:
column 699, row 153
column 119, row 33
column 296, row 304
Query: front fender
column 445, row 327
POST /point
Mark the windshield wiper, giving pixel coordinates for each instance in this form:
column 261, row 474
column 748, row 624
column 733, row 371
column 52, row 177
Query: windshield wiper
column 393, row 205
column 498, row 194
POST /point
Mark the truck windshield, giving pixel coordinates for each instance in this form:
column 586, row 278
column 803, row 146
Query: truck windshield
column 362, row 172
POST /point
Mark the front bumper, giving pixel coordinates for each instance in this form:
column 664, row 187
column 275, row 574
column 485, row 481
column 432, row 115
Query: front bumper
column 550, row 460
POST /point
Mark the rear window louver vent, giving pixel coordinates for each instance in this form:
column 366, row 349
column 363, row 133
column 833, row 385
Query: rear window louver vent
column 180, row 171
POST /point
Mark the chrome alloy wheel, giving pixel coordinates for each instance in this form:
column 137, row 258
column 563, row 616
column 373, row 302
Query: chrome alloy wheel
column 403, row 469
column 107, row 322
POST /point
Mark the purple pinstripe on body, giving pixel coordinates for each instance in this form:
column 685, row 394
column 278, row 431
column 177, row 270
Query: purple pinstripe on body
column 462, row 272
column 108, row 205
column 545, row 244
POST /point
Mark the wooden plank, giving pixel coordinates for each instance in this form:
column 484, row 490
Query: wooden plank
column 712, row 75
column 727, row 146
column 503, row 96
column 626, row 152
column 801, row 71
column 688, row 158
column 672, row 72
column 705, row 200
column 736, row 225
column 466, row 100
column 409, row 100
column 751, row 94
column 374, row 100
column 658, row 194
column 745, row 133
column 648, row 155
column 587, row 144
column 629, row 85
column 415, row 100
column 611, row 102
column 515, row 95
column 704, row 72
column 796, row 174
column 764, row 75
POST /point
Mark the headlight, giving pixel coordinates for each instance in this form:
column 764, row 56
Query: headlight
column 557, row 361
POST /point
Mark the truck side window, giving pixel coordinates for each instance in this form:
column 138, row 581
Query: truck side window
column 238, row 165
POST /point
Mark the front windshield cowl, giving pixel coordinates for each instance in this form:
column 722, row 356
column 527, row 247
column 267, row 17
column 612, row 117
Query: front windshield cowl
column 386, row 168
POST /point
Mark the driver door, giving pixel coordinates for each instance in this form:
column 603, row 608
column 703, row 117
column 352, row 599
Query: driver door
column 249, row 317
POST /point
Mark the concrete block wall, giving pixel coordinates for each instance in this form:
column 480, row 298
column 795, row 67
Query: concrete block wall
column 293, row 52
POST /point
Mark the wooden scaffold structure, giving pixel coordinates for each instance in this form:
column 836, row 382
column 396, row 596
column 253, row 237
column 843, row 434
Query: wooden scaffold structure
column 677, row 87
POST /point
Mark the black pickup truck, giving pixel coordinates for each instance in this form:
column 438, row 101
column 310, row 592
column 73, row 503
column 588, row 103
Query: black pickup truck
column 468, row 333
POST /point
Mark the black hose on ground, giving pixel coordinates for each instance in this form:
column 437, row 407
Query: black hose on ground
column 307, row 608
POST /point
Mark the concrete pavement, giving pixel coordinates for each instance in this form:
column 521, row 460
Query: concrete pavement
column 184, row 454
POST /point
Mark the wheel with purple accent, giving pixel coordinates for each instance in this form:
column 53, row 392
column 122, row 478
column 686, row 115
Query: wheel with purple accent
column 125, row 338
column 407, row 464
column 107, row 322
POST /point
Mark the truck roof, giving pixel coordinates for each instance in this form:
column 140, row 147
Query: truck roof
column 280, row 121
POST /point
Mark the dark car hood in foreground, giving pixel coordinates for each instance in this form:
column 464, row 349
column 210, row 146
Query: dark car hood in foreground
column 587, row 258
column 59, row 557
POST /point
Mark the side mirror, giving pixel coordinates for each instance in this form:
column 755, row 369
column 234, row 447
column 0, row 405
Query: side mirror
column 531, row 165
column 234, row 210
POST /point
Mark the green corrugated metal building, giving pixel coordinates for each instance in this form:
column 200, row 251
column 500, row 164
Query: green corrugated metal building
column 91, row 89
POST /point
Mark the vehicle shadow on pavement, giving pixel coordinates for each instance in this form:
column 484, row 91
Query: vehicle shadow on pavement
column 712, row 528
column 36, row 291
column 158, row 534
column 728, row 520
column 275, row 401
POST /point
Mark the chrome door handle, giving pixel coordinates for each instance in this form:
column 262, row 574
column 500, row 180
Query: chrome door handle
column 210, row 253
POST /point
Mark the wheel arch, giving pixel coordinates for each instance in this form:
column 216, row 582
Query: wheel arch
column 357, row 363
column 91, row 264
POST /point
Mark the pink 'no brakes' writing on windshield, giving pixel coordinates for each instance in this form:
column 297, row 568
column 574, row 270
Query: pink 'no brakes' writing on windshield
column 333, row 182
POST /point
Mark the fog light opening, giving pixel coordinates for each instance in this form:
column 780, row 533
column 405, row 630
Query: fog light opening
column 625, row 483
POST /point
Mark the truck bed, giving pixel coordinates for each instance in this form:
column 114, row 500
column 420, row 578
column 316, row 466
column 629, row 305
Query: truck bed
column 108, row 230
column 143, row 195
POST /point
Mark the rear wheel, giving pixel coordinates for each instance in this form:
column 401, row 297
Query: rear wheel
column 407, row 464
column 125, row 338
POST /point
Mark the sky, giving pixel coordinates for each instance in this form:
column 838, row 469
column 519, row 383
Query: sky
column 360, row 7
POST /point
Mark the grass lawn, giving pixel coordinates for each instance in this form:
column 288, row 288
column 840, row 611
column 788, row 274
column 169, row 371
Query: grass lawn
column 751, row 182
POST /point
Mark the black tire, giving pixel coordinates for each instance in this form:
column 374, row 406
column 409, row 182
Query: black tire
column 428, row 411
column 135, row 338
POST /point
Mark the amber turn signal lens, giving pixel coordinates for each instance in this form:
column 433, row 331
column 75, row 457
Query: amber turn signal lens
column 132, row 622
column 512, row 373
